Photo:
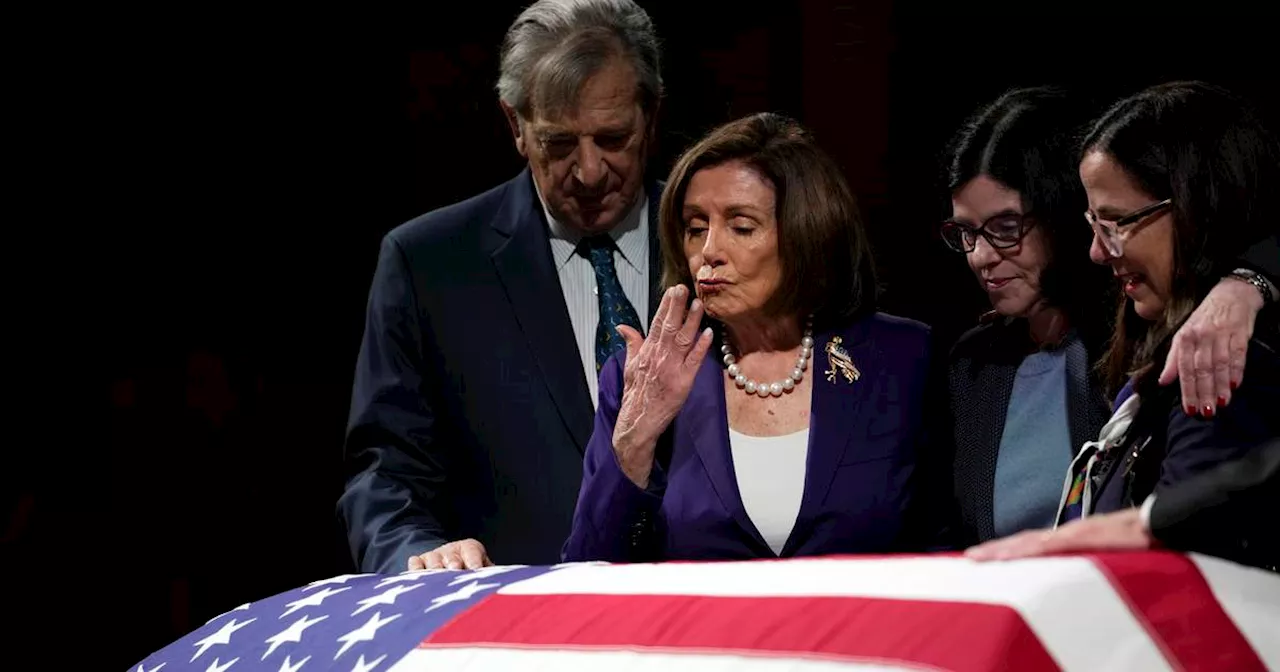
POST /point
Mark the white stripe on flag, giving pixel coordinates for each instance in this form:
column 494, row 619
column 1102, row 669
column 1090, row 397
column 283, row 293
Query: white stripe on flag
column 469, row 659
column 1251, row 597
column 1067, row 602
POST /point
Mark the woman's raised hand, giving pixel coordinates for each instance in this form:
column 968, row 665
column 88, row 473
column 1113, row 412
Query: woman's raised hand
column 656, row 380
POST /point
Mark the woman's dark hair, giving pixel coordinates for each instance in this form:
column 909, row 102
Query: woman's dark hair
column 1027, row 140
column 1207, row 151
column 825, row 256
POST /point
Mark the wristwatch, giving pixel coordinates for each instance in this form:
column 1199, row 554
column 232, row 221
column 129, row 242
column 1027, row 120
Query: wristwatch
column 1259, row 282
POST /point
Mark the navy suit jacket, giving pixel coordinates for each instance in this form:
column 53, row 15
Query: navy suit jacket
column 864, row 441
column 469, row 410
column 1223, row 511
column 1176, row 447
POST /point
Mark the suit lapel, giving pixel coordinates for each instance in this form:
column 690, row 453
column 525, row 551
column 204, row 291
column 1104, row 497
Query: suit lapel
column 522, row 258
column 707, row 426
column 833, row 417
column 988, row 386
column 992, row 395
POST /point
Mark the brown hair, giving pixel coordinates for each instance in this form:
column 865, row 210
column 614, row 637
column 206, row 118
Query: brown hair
column 1207, row 151
column 827, row 269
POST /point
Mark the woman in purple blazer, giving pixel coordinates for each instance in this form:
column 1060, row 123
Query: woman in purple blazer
column 803, row 435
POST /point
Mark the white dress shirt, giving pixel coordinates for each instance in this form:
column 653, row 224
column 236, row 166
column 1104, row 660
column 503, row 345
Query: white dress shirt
column 578, row 278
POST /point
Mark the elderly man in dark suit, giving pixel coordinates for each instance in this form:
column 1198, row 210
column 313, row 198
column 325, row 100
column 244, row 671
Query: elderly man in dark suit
column 488, row 319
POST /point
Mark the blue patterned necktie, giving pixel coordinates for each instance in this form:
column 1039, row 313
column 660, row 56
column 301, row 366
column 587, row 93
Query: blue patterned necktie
column 615, row 309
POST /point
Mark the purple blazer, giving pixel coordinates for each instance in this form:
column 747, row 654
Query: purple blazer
column 864, row 438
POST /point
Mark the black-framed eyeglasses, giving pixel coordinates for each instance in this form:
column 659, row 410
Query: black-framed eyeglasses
column 1002, row 231
column 1113, row 233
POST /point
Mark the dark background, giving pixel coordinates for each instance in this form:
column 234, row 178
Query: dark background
column 214, row 188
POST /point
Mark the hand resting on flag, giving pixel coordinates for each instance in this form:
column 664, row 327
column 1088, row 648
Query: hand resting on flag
column 465, row 554
column 1117, row 531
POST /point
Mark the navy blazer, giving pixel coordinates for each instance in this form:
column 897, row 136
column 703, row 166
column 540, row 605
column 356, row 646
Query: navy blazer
column 1175, row 447
column 469, row 411
column 1220, row 511
column 864, row 439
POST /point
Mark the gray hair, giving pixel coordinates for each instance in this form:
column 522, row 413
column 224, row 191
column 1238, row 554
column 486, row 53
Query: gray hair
column 554, row 46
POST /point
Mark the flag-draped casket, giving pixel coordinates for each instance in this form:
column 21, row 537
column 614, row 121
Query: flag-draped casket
column 1121, row 611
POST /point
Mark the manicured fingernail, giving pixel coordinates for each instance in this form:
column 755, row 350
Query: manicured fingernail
column 1208, row 411
column 1222, row 401
column 1191, row 411
column 1234, row 385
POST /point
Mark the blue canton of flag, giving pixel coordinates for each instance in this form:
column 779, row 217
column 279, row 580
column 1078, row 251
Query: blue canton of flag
column 356, row 622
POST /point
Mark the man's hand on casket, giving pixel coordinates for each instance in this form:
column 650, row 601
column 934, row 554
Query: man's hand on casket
column 465, row 554
column 1120, row 531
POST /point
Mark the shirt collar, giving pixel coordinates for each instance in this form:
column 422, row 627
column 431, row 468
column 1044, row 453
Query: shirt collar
column 631, row 235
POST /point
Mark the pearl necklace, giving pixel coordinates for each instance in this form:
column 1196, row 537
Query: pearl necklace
column 765, row 390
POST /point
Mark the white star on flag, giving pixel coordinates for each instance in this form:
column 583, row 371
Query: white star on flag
column 388, row 598
column 239, row 608
column 222, row 636
column 337, row 579
column 288, row 666
column 292, row 633
column 410, row 576
column 363, row 633
column 215, row 667
column 464, row 593
column 312, row 600
column 362, row 666
column 484, row 573
column 154, row 669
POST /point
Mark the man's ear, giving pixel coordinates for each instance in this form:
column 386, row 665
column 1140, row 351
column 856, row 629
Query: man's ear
column 517, row 130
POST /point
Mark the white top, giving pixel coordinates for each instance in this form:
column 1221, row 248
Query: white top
column 770, row 472
column 578, row 278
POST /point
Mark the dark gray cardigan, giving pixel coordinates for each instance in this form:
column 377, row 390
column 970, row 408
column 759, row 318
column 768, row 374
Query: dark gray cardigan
column 982, row 367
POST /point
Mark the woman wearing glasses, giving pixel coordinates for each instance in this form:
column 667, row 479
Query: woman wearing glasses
column 1180, row 181
column 1024, row 394
column 1023, row 397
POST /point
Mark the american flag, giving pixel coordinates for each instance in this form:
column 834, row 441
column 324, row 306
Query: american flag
column 1119, row 611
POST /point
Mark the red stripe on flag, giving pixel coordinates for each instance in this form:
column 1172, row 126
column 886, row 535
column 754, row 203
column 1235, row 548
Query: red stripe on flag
column 948, row 635
column 1170, row 597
